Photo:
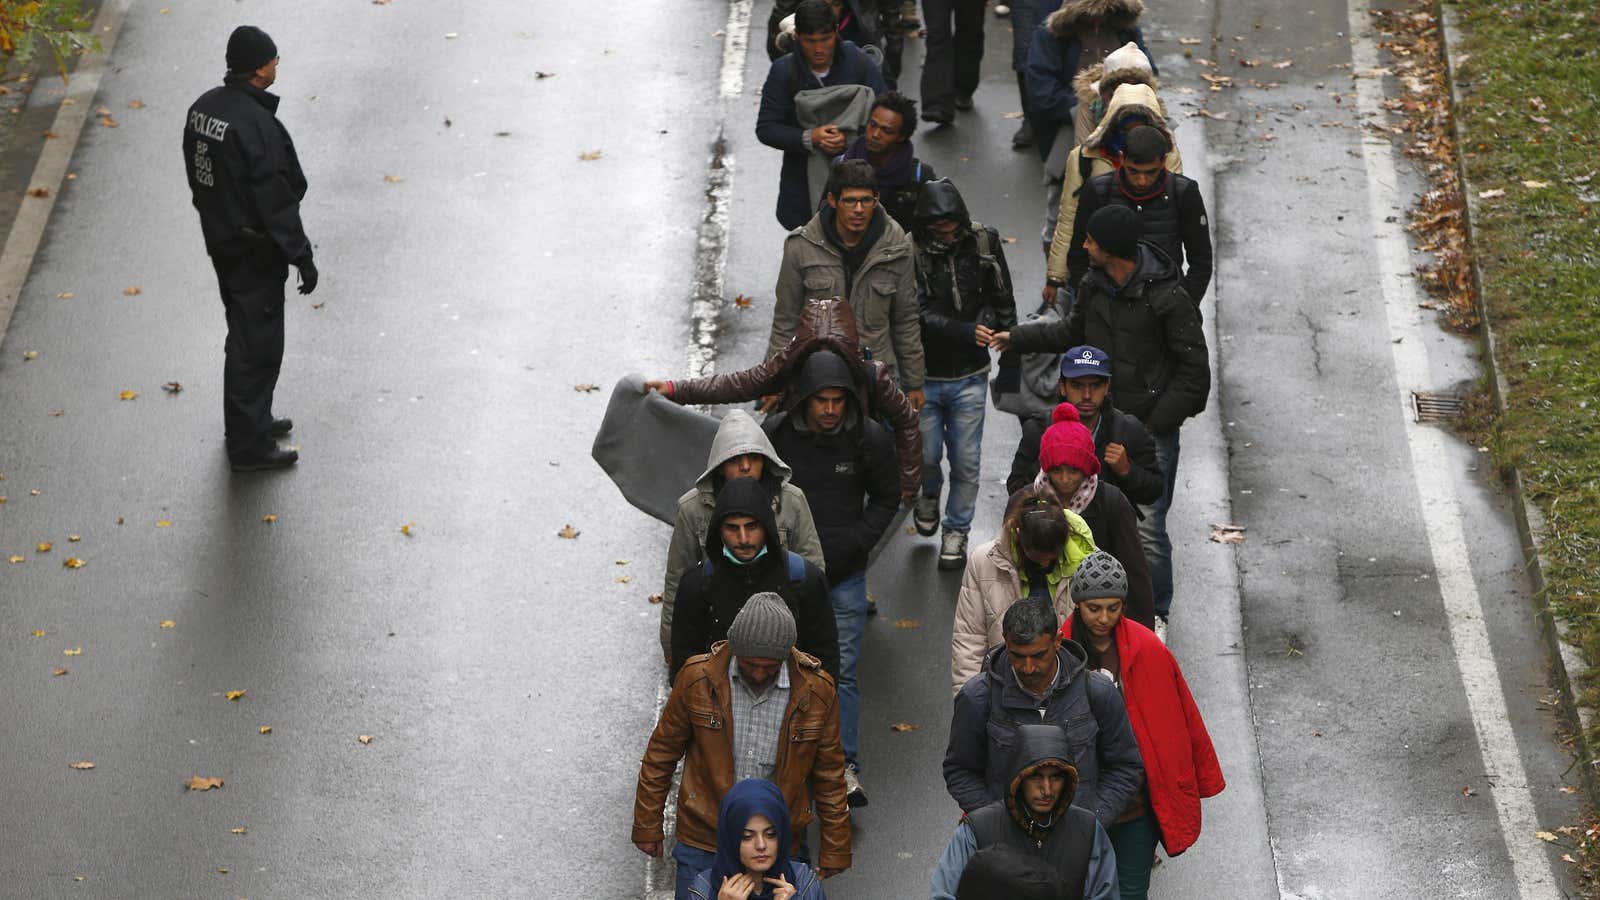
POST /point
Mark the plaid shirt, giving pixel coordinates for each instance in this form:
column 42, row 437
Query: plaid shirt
column 757, row 721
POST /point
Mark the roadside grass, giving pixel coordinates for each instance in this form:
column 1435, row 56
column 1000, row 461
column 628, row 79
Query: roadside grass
column 1531, row 129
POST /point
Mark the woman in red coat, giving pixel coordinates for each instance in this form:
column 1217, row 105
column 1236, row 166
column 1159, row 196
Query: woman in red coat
column 1180, row 765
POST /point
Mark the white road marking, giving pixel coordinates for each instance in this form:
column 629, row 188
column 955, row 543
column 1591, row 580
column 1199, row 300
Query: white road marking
column 51, row 170
column 1410, row 333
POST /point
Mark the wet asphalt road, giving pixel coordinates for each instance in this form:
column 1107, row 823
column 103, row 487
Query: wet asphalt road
column 508, row 676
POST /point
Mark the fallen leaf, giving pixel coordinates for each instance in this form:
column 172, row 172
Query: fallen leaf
column 38, row 633
column 168, row 623
column 58, row 672
column 907, row 623
column 57, row 413
column 82, row 765
column 265, row 729
column 269, row 518
column 222, row 870
column 1372, row 73
column 65, row 295
column 16, row 558
column 654, row 598
column 51, row 135
column 172, row 387
column 234, row 695
column 163, row 523
column 43, row 547
column 109, row 122
column 242, row 830
column 102, row 110
column 586, row 388
column 1227, row 534
column 39, row 192
column 318, row 305
column 568, row 532
column 591, row 155
column 364, row 739
column 1011, row 115
column 35, row 492
column 1283, row 64
column 1250, row 63
column 1567, row 858
column 1009, row 239
column 743, row 302
column 903, row 727
column 73, row 538
column 1491, row 194
column 72, row 562
column 392, row 179
column 451, row 35
column 1219, row 117
column 1569, row 790
column 1189, row 42
column 1469, row 792
column 624, row 579
column 136, row 104
column 75, row 651
column 543, row 75
column 1547, row 836
column 1535, row 185
column 406, row 528
column 127, row 395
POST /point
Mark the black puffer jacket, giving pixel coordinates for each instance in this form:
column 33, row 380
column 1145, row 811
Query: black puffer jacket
column 1144, row 482
column 1160, row 370
column 711, row 594
column 959, row 287
column 244, row 175
column 1173, row 219
column 848, row 474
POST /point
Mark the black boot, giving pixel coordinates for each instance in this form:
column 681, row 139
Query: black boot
column 276, row 458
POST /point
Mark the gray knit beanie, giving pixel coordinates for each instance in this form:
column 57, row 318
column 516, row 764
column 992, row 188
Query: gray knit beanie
column 1099, row 577
column 763, row 629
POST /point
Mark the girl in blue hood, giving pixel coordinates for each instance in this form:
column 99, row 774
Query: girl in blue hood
column 753, row 850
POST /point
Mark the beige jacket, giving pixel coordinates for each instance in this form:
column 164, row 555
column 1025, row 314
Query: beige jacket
column 883, row 295
column 1139, row 99
column 991, row 584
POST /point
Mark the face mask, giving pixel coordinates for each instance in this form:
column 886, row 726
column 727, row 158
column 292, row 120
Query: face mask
column 934, row 245
column 739, row 562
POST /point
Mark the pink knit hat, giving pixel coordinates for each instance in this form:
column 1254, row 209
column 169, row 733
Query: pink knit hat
column 1068, row 443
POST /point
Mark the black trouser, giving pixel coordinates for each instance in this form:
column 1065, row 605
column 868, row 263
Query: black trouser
column 951, row 64
column 252, row 296
column 893, row 38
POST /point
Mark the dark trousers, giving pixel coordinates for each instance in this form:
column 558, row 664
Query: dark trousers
column 893, row 38
column 954, row 52
column 252, row 297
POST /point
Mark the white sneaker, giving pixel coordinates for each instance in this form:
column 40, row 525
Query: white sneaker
column 953, row 550
column 1161, row 628
column 853, row 794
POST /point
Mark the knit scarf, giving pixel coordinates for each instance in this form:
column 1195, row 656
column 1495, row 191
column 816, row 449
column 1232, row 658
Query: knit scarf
column 1081, row 499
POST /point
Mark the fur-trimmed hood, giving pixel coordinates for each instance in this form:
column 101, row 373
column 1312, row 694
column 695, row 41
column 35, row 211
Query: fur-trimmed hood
column 1087, row 83
column 1130, row 99
column 1074, row 14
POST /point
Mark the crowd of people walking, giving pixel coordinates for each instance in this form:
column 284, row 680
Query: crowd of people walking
column 1076, row 750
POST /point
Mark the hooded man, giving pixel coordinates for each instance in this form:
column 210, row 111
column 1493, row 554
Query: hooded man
column 744, row 559
column 754, row 707
column 1035, row 676
column 844, row 461
column 1076, row 36
column 886, row 146
column 740, row 450
column 1132, row 304
column 1037, row 821
column 964, row 292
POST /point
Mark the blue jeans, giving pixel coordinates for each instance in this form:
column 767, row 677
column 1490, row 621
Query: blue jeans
column 691, row 862
column 1135, row 845
column 849, row 599
column 953, row 419
column 1153, row 529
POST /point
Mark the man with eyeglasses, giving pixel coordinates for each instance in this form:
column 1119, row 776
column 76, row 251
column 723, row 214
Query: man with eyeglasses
column 246, row 184
column 852, row 249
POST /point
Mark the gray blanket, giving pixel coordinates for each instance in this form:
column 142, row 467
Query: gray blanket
column 845, row 106
column 654, row 449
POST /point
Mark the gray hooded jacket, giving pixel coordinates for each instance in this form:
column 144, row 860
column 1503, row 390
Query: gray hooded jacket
column 739, row 434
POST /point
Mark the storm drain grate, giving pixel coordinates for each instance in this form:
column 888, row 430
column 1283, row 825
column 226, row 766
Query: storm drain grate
column 1430, row 407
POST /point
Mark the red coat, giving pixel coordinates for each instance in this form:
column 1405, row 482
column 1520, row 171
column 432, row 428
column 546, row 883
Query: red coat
column 1179, row 762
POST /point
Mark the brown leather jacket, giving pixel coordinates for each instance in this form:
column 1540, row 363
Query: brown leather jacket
column 694, row 726
column 826, row 325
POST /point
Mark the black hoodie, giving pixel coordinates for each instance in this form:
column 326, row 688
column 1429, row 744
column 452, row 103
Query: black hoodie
column 848, row 475
column 710, row 595
column 959, row 286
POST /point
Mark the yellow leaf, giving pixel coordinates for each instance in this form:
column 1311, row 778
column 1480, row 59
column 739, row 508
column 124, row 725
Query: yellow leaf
column 75, row 651
column 569, row 533
column 234, row 695
column 591, row 155
column 907, row 623
column 30, row 355
column 65, row 295
column 364, row 739
column 132, row 291
column 168, row 623
column 38, row 633
column 393, row 179
column 127, row 395
column 164, row 523
column 197, row 783
column 237, row 831
column 624, row 579
column 222, row 870
column 15, row 558
column 269, row 518
column 136, row 104
column 82, row 765
column 406, row 528
column 43, row 546
column 73, row 538
column 58, row 672
column 72, row 562
column 266, row 729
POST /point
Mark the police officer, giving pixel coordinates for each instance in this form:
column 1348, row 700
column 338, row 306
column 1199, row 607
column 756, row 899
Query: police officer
column 247, row 185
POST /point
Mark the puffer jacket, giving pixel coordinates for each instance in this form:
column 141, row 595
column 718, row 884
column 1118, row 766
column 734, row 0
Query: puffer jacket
column 1161, row 373
column 1091, row 158
column 992, row 582
column 826, row 324
column 883, row 293
column 739, row 434
column 991, row 709
column 1173, row 218
column 696, row 727
column 1055, row 57
column 1179, row 762
column 960, row 287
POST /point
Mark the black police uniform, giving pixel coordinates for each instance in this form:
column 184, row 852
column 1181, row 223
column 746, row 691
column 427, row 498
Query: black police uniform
column 246, row 183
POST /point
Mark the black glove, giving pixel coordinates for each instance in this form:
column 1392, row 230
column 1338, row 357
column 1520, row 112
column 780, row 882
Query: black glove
column 308, row 276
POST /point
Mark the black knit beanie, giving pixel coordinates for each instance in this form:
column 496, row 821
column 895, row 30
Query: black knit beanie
column 249, row 48
column 1116, row 229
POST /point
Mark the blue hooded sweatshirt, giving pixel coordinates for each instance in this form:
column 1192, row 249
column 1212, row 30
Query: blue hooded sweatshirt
column 755, row 797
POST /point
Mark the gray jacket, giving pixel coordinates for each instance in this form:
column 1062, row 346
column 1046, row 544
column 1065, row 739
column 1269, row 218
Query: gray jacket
column 844, row 106
column 739, row 434
column 883, row 296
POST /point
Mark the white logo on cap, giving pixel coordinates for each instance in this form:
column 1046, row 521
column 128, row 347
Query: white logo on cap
column 1088, row 354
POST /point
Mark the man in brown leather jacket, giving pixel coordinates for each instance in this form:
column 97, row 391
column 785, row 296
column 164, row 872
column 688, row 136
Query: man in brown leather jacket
column 754, row 707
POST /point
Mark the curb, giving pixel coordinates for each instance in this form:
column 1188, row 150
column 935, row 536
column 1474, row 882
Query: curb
column 1565, row 659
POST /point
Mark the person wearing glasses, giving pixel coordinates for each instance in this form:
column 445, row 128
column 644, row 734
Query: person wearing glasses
column 852, row 249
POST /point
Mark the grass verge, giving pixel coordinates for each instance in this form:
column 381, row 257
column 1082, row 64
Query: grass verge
column 1531, row 150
